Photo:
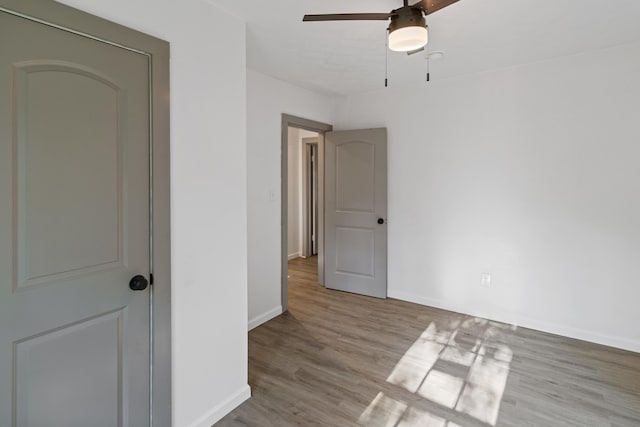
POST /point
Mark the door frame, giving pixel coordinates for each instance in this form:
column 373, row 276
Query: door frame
column 57, row 15
column 321, row 128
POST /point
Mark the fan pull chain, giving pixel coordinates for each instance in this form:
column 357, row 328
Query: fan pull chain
column 426, row 49
column 428, row 74
column 386, row 59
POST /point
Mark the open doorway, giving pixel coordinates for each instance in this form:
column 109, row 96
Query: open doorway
column 309, row 196
column 302, row 177
column 302, row 195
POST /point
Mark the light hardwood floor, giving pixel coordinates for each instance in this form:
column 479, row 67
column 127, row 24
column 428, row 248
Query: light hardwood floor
column 337, row 359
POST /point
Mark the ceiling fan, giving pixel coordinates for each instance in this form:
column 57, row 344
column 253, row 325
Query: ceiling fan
column 407, row 26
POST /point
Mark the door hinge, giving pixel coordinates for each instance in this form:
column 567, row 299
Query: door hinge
column 151, row 278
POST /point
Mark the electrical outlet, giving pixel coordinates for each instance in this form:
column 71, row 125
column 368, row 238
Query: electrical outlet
column 485, row 279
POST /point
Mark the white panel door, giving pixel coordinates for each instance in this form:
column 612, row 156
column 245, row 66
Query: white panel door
column 356, row 211
column 74, row 229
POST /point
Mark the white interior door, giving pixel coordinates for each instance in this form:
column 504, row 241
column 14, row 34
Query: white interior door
column 74, row 229
column 356, row 211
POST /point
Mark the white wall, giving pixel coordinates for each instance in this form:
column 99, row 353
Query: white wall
column 208, row 173
column 529, row 173
column 268, row 98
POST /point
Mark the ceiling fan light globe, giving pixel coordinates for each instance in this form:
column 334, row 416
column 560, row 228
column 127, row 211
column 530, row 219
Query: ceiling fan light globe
column 409, row 38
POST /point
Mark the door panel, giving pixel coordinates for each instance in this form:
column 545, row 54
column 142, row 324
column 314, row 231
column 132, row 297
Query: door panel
column 355, row 183
column 74, row 228
column 355, row 249
column 356, row 197
column 89, row 209
column 44, row 360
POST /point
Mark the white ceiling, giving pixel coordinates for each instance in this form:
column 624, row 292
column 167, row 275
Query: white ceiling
column 476, row 35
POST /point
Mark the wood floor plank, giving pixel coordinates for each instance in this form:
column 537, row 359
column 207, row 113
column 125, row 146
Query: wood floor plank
column 339, row 359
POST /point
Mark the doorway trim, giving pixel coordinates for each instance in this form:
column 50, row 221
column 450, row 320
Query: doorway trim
column 321, row 128
column 52, row 13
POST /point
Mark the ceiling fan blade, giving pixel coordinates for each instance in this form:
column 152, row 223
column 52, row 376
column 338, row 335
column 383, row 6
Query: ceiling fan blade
column 348, row 17
column 430, row 6
column 411, row 52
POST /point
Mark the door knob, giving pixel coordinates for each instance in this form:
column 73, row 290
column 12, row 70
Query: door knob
column 380, row 221
column 138, row 283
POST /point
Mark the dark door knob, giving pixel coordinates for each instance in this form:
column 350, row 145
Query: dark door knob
column 138, row 283
column 380, row 221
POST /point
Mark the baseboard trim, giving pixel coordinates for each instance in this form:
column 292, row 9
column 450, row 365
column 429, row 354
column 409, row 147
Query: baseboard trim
column 295, row 255
column 529, row 323
column 219, row 411
column 265, row 317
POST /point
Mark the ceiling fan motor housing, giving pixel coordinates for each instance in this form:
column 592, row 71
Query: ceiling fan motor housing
column 407, row 30
column 406, row 17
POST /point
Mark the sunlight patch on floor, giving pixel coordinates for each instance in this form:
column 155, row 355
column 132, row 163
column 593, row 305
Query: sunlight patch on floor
column 418, row 417
column 441, row 336
column 483, row 392
column 416, row 362
column 457, row 355
column 383, row 411
column 462, row 369
column 442, row 388
column 414, row 365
